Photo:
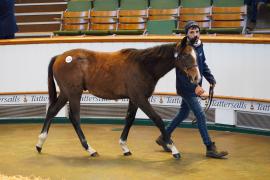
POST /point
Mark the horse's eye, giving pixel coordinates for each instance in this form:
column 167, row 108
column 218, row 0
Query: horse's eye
column 184, row 56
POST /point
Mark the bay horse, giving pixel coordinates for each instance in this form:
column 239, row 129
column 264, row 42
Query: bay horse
column 127, row 73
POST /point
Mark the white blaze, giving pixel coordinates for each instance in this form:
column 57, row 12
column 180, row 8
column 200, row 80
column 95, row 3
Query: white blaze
column 197, row 68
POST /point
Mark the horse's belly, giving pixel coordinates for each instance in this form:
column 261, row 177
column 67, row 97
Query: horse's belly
column 108, row 95
column 108, row 91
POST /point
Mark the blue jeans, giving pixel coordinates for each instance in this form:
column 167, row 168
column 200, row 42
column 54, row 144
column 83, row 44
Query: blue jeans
column 191, row 103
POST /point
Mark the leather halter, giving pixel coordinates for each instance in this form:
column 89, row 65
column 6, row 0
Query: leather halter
column 176, row 56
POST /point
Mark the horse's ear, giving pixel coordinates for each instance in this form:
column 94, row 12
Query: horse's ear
column 180, row 47
column 183, row 42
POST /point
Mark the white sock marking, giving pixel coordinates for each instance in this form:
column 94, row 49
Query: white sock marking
column 173, row 148
column 124, row 146
column 41, row 139
column 91, row 150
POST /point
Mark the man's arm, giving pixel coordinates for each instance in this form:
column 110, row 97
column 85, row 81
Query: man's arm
column 207, row 72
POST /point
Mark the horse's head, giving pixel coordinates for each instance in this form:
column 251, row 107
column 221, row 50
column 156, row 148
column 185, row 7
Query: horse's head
column 186, row 61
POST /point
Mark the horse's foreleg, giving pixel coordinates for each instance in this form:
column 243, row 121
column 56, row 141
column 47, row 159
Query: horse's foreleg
column 74, row 115
column 51, row 112
column 132, row 109
column 149, row 111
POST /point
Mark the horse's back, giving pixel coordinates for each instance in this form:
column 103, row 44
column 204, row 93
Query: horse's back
column 104, row 74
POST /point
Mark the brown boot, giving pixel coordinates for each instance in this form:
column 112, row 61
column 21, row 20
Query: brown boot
column 160, row 141
column 213, row 153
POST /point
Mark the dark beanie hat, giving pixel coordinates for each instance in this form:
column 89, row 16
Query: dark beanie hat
column 191, row 24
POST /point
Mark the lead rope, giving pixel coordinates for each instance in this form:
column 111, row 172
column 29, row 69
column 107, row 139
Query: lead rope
column 210, row 99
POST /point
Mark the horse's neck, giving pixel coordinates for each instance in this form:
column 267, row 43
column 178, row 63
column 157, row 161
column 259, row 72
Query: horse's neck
column 164, row 62
column 156, row 61
column 163, row 68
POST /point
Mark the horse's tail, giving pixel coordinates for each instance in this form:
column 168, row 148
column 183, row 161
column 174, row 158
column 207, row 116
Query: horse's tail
column 51, row 84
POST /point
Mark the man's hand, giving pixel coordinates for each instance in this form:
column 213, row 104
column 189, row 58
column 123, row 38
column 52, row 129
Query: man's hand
column 199, row 90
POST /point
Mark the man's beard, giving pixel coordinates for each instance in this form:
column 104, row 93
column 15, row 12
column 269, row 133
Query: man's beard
column 193, row 40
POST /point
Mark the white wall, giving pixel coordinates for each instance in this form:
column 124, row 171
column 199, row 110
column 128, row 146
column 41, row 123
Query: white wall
column 240, row 69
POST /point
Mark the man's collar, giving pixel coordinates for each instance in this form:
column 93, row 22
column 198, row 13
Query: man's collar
column 196, row 44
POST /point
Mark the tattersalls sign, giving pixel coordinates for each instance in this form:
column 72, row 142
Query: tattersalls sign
column 10, row 99
column 22, row 99
column 229, row 104
column 165, row 100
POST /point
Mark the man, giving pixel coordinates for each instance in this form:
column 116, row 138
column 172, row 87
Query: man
column 8, row 25
column 253, row 10
column 189, row 93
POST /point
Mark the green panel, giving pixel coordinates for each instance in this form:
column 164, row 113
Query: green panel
column 195, row 3
column 228, row 3
column 127, row 32
column 225, row 30
column 97, row 32
column 164, row 4
column 133, row 4
column 79, row 5
column 67, row 33
column 105, row 5
column 161, row 27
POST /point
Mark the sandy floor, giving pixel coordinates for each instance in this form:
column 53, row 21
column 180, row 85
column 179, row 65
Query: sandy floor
column 64, row 158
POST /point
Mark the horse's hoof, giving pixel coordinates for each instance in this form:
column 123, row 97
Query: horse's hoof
column 127, row 153
column 177, row 156
column 38, row 149
column 95, row 154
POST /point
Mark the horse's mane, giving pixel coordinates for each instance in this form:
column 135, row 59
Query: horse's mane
column 149, row 54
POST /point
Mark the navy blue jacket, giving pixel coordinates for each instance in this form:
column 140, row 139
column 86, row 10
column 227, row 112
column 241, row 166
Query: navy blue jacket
column 7, row 18
column 183, row 85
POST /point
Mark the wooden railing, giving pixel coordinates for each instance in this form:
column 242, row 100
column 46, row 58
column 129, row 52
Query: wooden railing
column 265, row 39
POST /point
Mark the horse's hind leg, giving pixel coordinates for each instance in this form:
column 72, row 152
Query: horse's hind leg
column 74, row 115
column 51, row 112
column 145, row 106
column 132, row 109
